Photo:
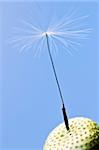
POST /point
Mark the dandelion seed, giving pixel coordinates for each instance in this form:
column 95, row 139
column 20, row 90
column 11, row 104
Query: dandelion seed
column 68, row 32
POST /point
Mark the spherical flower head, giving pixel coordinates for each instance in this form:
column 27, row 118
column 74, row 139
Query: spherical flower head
column 83, row 135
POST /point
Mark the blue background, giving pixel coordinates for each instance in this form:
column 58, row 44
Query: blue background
column 30, row 102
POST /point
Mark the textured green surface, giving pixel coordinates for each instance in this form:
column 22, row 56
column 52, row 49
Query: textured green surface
column 83, row 135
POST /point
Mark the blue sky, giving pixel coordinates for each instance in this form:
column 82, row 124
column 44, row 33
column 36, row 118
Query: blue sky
column 30, row 102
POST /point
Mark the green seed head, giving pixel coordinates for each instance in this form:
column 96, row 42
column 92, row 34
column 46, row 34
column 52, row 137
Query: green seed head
column 82, row 135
